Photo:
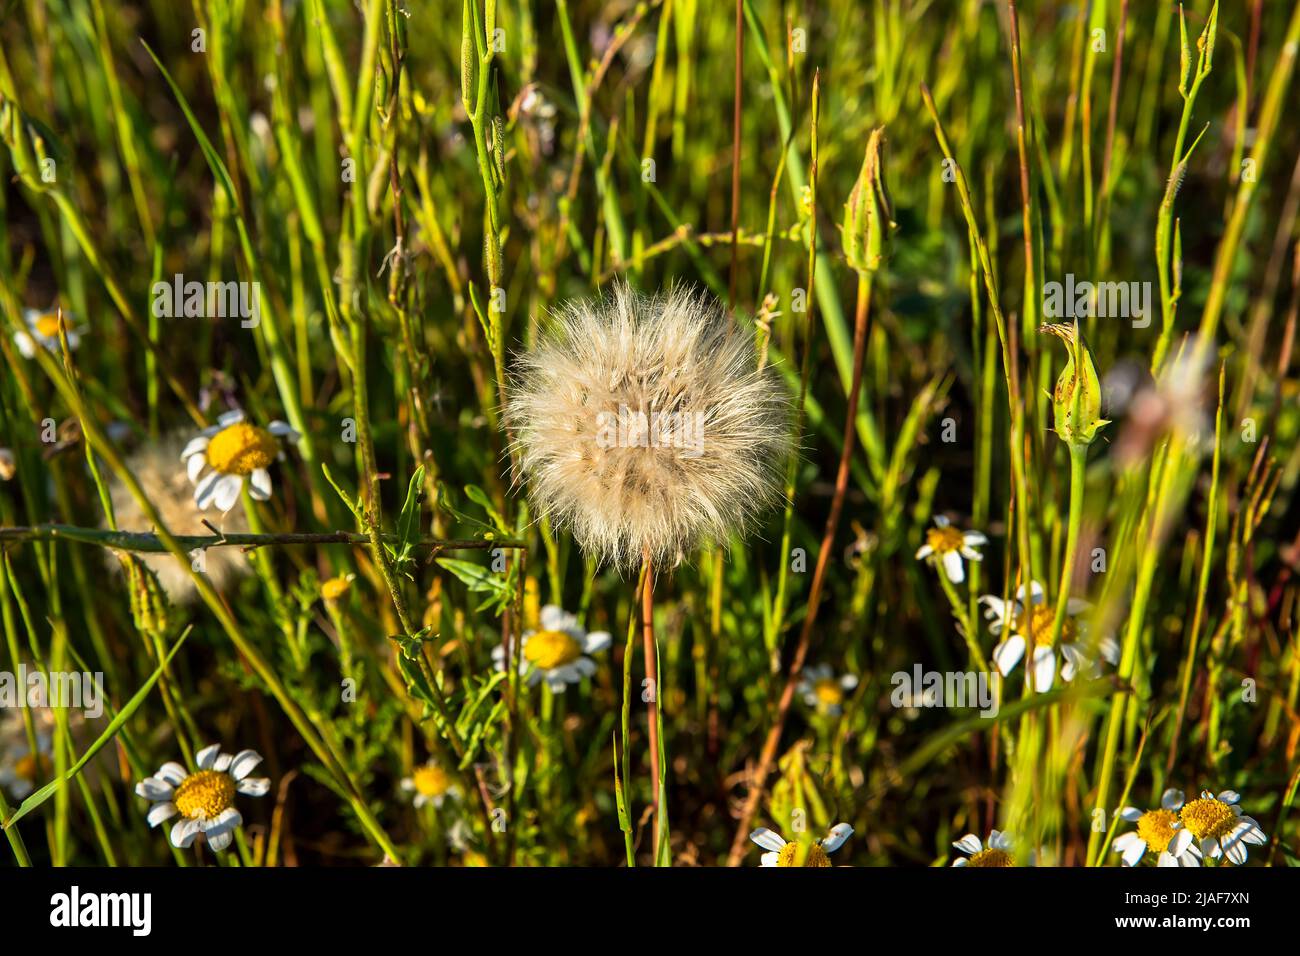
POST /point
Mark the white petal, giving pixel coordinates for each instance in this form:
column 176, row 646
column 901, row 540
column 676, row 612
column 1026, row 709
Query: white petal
column 1108, row 648
column 259, row 484
column 194, row 446
column 194, row 467
column 960, row 861
column 597, row 641
column 227, row 492
column 154, row 788
column 1166, row 859
column 206, row 489
column 555, row 618
column 226, row 419
column 1036, row 593
column 975, row 538
column 1181, row 842
column 1230, row 796
column 222, row 762
column 769, row 859
column 953, row 567
column 1134, row 852
column 835, row 839
column 206, row 757
column 244, row 763
column 184, row 832
column 160, row 812
column 220, row 840
column 1044, row 668
column 254, row 786
column 1131, row 814
column 1171, row 799
column 1000, row 840
column 923, row 552
column 767, row 839
column 282, row 430
column 970, row 843
column 1007, row 654
column 941, row 521
column 172, row 772
column 849, row 681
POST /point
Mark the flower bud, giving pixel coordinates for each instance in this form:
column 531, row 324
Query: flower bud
column 1077, row 399
column 868, row 213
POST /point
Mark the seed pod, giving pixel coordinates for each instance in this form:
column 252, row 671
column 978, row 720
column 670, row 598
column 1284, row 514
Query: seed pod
column 1077, row 399
column 868, row 214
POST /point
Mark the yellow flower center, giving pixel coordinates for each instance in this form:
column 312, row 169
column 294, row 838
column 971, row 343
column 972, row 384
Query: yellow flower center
column 943, row 540
column 1207, row 817
column 815, row 856
column 1156, row 828
column 28, row 766
column 47, row 325
column 431, row 781
column 204, row 795
column 1035, row 625
column 828, row 691
column 547, row 650
column 241, row 449
column 992, row 857
column 335, row 588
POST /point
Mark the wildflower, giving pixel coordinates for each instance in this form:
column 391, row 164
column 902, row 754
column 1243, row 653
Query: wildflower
column 948, row 546
column 556, row 653
column 430, row 784
column 1220, row 827
column 781, row 853
column 154, row 466
column 235, row 450
column 336, row 588
column 43, row 331
column 1158, row 831
column 821, row 690
column 21, row 769
column 1031, row 624
column 205, row 799
column 996, row 853
column 645, row 426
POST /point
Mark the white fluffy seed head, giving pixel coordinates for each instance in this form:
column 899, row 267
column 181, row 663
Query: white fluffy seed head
column 158, row 468
column 643, row 425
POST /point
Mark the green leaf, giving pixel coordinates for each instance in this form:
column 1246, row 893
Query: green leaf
column 475, row 576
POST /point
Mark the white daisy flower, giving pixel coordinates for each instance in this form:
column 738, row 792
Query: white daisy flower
column 20, row 769
column 947, row 546
column 1030, row 622
column 430, row 784
column 823, row 691
column 556, row 653
column 1220, row 827
column 1157, row 831
column 43, row 332
column 205, row 799
column 781, row 853
column 997, row 852
column 235, row 450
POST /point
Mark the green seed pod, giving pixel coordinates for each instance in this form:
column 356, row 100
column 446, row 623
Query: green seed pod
column 467, row 58
column 1077, row 399
column 868, row 214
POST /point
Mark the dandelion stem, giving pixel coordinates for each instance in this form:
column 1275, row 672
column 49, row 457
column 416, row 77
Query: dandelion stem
column 652, row 675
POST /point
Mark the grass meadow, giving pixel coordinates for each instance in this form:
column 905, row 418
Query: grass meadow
column 947, row 512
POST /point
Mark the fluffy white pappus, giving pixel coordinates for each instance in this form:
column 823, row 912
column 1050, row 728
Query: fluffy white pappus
column 644, row 425
column 158, row 468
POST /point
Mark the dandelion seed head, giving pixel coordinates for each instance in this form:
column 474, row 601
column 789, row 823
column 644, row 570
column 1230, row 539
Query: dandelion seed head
column 165, row 484
column 644, row 425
